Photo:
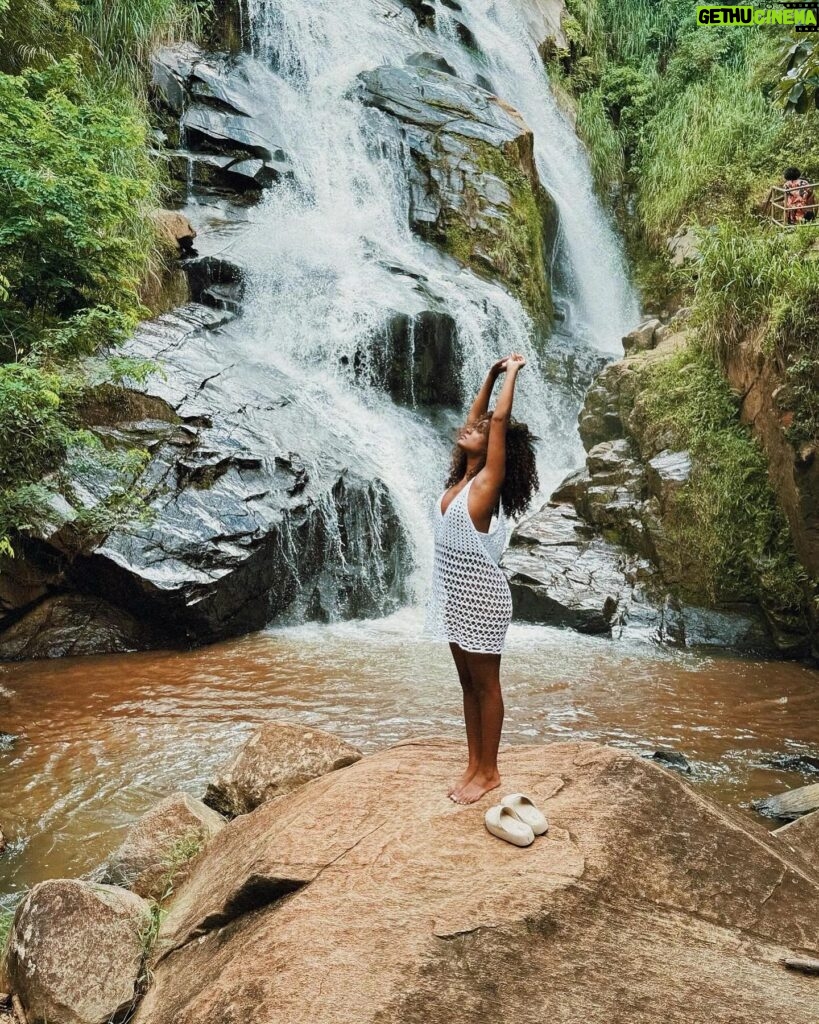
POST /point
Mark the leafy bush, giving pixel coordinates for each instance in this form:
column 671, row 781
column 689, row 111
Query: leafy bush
column 75, row 240
column 73, row 232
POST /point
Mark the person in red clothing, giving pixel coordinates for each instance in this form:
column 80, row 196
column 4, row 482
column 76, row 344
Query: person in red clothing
column 799, row 197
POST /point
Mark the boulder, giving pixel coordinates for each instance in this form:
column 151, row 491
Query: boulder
column 683, row 247
column 475, row 190
column 642, row 337
column 368, row 896
column 76, row 950
column 791, row 804
column 278, row 758
column 158, row 848
column 174, row 229
column 560, row 573
column 802, row 837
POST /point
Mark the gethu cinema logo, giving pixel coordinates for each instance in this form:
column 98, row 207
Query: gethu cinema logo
column 805, row 17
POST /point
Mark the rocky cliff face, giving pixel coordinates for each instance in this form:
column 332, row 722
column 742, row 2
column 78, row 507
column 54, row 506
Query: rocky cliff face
column 250, row 517
column 767, row 407
column 475, row 190
column 603, row 555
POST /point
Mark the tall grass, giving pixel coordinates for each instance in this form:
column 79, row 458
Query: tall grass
column 701, row 155
column 125, row 33
column 602, row 140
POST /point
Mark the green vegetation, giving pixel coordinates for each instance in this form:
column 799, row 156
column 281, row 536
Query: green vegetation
column 76, row 242
column 726, row 522
column 686, row 128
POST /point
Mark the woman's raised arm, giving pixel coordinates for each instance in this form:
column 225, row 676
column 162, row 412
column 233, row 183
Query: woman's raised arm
column 481, row 403
column 495, row 466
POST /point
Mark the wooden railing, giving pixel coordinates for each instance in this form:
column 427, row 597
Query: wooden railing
column 777, row 209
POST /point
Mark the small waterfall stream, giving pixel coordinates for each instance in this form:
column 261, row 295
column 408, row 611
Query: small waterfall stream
column 331, row 252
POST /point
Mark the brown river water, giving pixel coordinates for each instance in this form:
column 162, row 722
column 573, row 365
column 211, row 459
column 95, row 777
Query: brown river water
column 100, row 740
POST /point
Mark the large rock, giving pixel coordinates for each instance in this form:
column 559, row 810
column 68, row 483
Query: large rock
column 76, row 950
column 158, row 848
column 278, row 758
column 70, row 625
column 367, row 896
column 474, row 189
column 252, row 518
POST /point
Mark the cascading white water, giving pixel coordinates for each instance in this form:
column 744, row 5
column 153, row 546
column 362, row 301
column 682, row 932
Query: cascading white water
column 323, row 247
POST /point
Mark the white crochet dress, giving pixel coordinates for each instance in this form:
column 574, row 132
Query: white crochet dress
column 469, row 602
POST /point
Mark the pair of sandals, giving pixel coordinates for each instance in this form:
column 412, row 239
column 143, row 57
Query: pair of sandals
column 516, row 819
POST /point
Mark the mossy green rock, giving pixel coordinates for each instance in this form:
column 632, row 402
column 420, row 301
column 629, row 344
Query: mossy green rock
column 475, row 190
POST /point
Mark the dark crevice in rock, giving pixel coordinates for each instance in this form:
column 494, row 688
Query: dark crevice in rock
column 257, row 891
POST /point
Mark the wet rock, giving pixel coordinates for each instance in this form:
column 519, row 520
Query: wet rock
column 157, row 851
column 561, row 574
column 227, row 126
column 795, row 762
column 243, row 529
column 277, row 759
column 434, row 917
column 474, row 187
column 73, row 624
column 215, row 281
column 563, row 571
column 666, row 473
column 411, row 364
column 424, row 11
column 802, row 837
column 672, row 758
column 433, row 61
column 570, row 489
column 642, row 337
column 75, row 951
column 791, row 804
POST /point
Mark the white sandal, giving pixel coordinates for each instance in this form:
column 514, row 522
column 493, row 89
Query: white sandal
column 525, row 809
column 504, row 823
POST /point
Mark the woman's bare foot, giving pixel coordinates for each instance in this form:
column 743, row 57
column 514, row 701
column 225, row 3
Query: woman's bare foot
column 478, row 785
column 459, row 785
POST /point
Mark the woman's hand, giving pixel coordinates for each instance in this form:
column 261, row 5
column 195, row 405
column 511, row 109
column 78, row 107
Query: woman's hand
column 515, row 362
column 497, row 368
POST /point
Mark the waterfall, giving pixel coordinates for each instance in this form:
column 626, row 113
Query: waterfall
column 331, row 251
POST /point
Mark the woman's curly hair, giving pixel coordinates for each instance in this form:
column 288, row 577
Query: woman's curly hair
column 521, row 480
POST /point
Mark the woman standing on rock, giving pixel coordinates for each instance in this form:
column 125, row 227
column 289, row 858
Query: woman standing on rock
column 470, row 603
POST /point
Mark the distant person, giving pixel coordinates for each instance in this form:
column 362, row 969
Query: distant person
column 470, row 603
column 799, row 197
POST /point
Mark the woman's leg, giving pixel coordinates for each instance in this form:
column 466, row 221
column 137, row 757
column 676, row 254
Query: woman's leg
column 472, row 718
column 484, row 673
